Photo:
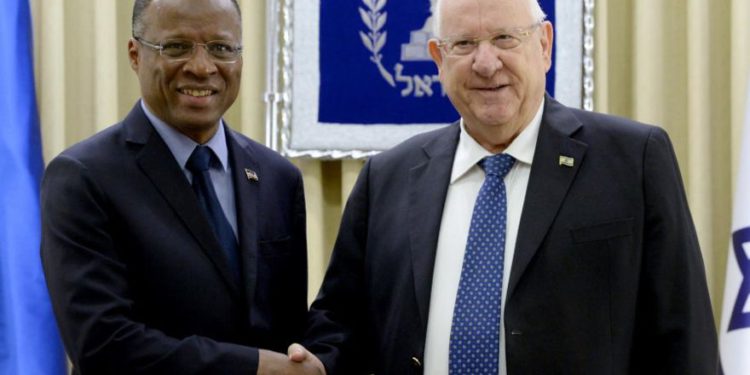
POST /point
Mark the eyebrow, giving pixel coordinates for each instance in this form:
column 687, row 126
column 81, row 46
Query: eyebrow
column 492, row 32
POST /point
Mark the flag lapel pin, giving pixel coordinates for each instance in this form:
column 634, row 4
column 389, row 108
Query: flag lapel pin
column 566, row 161
column 251, row 175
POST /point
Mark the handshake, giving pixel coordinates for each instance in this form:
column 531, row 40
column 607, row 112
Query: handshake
column 298, row 361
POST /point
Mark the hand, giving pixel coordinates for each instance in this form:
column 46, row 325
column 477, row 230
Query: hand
column 272, row 363
column 297, row 353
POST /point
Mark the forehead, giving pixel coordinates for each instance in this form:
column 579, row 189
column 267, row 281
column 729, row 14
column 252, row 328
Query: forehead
column 475, row 17
column 198, row 19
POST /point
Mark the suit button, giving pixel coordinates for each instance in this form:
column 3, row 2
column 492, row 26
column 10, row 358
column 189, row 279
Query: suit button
column 416, row 362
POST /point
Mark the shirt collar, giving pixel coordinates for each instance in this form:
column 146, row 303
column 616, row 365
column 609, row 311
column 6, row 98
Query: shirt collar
column 469, row 152
column 182, row 146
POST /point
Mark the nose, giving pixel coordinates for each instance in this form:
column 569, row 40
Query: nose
column 200, row 63
column 486, row 60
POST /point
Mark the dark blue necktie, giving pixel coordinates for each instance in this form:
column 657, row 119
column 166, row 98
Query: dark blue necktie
column 475, row 332
column 198, row 165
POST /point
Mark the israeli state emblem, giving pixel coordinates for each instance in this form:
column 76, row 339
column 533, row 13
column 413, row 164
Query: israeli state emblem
column 375, row 65
column 374, row 38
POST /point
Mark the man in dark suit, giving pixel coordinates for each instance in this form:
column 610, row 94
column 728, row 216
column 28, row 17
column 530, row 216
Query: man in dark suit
column 586, row 252
column 148, row 274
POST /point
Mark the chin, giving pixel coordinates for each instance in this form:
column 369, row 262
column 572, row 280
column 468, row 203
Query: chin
column 198, row 120
column 495, row 118
column 191, row 124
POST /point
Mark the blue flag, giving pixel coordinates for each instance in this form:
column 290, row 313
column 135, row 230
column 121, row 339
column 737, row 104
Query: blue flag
column 29, row 342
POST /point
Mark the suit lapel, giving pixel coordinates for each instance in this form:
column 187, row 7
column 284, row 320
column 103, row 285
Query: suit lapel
column 246, row 191
column 428, row 186
column 549, row 182
column 159, row 165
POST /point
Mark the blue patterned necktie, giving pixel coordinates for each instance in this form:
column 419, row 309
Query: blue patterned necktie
column 198, row 165
column 475, row 332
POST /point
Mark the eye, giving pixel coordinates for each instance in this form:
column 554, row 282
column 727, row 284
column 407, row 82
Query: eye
column 462, row 46
column 222, row 50
column 221, row 47
column 505, row 41
column 176, row 47
column 503, row 37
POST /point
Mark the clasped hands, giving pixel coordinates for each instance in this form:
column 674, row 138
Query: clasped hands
column 298, row 361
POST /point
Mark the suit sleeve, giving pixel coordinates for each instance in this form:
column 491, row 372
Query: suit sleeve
column 88, row 285
column 298, row 298
column 337, row 319
column 675, row 331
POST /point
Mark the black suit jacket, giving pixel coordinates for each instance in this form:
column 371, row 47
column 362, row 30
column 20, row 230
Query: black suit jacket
column 607, row 276
column 138, row 281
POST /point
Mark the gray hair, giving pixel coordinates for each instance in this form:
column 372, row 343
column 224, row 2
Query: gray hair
column 536, row 12
column 141, row 5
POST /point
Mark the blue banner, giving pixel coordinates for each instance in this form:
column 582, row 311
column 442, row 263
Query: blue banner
column 374, row 64
column 29, row 342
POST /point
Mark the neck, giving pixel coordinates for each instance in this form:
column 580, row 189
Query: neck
column 495, row 139
column 200, row 136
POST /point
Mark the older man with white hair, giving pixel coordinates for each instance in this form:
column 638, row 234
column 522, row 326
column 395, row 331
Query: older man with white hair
column 527, row 238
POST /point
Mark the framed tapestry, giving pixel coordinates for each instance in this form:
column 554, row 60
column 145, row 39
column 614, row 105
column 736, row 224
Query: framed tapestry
column 350, row 78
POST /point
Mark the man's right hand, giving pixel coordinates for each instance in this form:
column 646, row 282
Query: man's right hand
column 298, row 353
column 298, row 362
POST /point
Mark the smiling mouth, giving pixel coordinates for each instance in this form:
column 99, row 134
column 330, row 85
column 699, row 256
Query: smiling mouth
column 493, row 88
column 196, row 93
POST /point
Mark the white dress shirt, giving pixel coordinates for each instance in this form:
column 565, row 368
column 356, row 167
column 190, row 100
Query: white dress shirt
column 466, row 179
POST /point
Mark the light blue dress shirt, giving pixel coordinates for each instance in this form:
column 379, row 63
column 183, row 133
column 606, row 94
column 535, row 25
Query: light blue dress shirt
column 182, row 147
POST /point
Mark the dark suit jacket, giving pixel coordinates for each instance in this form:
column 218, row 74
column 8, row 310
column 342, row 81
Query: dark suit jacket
column 607, row 276
column 138, row 281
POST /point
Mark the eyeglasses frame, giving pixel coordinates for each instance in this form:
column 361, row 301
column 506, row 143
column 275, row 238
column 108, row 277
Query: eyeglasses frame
column 520, row 33
column 160, row 47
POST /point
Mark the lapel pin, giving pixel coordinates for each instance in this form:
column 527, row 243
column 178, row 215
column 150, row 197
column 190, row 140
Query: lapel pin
column 566, row 161
column 251, row 175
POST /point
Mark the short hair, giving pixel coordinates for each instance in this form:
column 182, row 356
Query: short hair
column 141, row 5
column 536, row 12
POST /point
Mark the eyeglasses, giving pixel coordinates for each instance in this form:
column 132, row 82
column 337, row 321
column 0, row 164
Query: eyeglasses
column 181, row 49
column 503, row 39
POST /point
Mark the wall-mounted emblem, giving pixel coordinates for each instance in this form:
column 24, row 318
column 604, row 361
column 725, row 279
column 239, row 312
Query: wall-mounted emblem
column 349, row 78
column 374, row 38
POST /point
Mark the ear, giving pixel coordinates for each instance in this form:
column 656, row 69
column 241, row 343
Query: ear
column 435, row 52
column 133, row 54
column 547, row 38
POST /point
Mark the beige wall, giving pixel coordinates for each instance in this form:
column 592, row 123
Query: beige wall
column 681, row 64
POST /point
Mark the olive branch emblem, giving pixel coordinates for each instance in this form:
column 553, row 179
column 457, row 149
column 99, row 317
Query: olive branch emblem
column 374, row 40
